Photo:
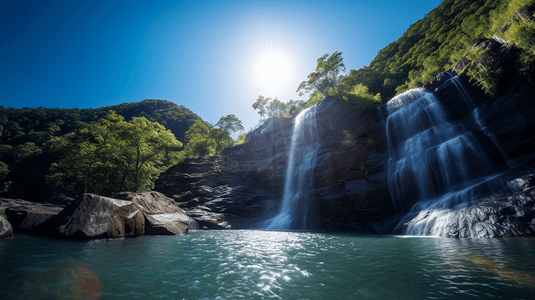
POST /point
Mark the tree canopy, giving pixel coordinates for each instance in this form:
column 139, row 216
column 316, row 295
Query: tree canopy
column 25, row 138
column 326, row 76
column 112, row 155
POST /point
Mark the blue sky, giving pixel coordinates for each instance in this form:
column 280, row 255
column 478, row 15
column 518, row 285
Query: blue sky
column 204, row 55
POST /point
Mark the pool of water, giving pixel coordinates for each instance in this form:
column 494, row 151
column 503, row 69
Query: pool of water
column 267, row 265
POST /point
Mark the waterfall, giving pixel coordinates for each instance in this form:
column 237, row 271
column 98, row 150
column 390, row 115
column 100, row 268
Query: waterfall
column 299, row 181
column 435, row 165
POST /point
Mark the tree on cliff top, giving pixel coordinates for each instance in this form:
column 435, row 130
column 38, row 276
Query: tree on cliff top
column 326, row 76
column 230, row 124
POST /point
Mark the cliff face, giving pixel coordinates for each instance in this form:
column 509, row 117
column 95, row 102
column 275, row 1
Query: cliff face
column 245, row 187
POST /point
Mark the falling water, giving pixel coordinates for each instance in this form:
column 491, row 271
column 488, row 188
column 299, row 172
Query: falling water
column 299, row 181
column 435, row 165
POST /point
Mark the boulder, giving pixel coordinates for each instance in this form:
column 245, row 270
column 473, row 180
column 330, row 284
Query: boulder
column 162, row 215
column 25, row 215
column 6, row 230
column 91, row 216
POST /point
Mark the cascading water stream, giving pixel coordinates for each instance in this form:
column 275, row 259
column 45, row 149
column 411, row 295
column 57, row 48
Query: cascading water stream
column 435, row 165
column 299, row 181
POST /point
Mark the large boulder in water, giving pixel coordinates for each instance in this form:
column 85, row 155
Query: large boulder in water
column 162, row 215
column 91, row 216
column 6, row 231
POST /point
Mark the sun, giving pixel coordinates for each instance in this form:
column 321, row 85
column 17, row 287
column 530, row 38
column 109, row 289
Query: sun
column 274, row 71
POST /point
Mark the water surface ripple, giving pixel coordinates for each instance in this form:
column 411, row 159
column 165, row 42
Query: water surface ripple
column 267, row 265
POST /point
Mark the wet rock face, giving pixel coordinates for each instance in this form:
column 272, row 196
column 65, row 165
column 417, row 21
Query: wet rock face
column 492, row 216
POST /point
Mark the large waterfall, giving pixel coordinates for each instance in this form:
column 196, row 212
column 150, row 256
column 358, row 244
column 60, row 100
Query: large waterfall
column 437, row 165
column 299, row 181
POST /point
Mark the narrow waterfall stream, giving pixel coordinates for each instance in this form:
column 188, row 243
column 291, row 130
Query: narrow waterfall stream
column 299, row 180
column 435, row 165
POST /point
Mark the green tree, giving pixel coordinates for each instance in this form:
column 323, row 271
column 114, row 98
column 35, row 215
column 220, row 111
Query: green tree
column 326, row 76
column 230, row 124
column 294, row 107
column 198, row 140
column 111, row 155
column 261, row 105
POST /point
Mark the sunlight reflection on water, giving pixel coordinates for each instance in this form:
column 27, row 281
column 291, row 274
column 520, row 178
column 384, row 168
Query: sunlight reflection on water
column 270, row 264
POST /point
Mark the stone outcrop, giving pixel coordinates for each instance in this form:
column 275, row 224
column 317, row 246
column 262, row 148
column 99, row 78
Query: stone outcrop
column 162, row 215
column 91, row 216
column 217, row 194
column 6, row 230
column 25, row 215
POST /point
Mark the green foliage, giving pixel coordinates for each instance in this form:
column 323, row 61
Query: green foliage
column 233, row 167
column 360, row 98
column 431, row 45
column 261, row 105
column 241, row 139
column 326, row 76
column 179, row 198
column 230, row 124
column 3, row 214
column 276, row 109
column 204, row 140
column 198, row 142
column 262, row 169
column 372, row 145
column 4, row 185
column 112, row 155
column 26, row 135
column 483, row 71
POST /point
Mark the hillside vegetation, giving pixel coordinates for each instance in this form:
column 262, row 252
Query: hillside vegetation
column 32, row 140
column 444, row 36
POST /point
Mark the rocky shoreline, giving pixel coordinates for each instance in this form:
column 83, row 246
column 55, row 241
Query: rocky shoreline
column 90, row 216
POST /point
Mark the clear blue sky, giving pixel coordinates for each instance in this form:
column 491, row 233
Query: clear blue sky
column 205, row 55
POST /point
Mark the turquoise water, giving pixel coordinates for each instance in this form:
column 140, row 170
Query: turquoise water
column 267, row 265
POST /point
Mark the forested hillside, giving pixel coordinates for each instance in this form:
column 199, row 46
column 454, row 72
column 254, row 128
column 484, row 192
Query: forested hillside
column 29, row 139
column 436, row 42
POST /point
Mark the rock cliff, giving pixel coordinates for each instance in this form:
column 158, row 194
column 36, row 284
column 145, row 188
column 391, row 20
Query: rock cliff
column 244, row 187
column 503, row 204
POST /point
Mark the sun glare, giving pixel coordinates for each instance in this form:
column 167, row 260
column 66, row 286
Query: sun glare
column 274, row 71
